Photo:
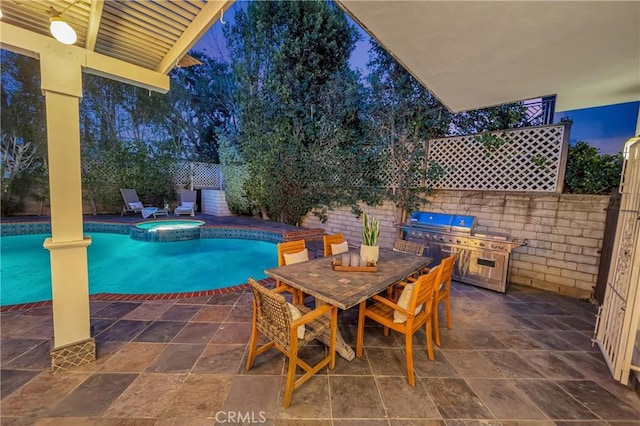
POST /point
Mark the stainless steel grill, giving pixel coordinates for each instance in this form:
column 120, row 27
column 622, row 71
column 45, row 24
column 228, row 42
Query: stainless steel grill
column 483, row 259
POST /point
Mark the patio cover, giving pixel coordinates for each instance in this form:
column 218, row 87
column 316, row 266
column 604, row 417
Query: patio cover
column 484, row 53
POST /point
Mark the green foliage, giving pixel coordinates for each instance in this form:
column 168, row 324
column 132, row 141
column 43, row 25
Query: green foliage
column 490, row 142
column 182, row 122
column 491, row 119
column 404, row 115
column 23, row 124
column 202, row 102
column 128, row 165
column 235, row 173
column 370, row 230
column 540, row 160
column 589, row 172
column 297, row 105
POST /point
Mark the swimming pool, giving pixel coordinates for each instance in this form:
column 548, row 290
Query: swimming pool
column 119, row 264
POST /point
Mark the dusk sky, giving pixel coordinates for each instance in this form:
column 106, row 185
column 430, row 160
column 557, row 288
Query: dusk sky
column 606, row 128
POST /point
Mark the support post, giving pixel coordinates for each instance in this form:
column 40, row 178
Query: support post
column 62, row 88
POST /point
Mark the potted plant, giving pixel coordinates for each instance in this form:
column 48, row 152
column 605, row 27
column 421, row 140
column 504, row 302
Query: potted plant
column 369, row 250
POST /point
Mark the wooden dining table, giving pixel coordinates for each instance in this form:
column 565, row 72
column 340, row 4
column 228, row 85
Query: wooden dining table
column 346, row 289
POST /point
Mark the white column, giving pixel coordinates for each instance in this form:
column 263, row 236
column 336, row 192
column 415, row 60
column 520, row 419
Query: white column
column 62, row 87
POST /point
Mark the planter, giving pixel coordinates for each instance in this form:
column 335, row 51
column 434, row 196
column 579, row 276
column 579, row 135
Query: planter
column 370, row 253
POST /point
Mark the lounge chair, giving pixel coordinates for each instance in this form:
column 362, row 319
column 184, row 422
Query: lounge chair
column 187, row 203
column 131, row 201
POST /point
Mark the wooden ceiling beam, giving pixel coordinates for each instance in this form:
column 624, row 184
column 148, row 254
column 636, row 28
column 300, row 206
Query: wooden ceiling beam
column 95, row 16
column 22, row 41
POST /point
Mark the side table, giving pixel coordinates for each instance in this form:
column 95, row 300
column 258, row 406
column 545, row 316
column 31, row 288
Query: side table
column 161, row 212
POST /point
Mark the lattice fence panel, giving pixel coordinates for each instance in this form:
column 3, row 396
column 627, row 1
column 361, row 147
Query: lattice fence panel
column 108, row 172
column 384, row 173
column 181, row 172
column 198, row 175
column 529, row 159
column 187, row 174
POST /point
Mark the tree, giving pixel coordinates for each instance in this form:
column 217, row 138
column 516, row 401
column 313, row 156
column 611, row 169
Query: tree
column 202, row 103
column 24, row 145
column 501, row 117
column 589, row 172
column 404, row 116
column 235, row 174
column 288, row 57
column 112, row 111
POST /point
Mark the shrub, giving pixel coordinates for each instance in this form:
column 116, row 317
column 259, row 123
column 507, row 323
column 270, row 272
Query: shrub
column 589, row 172
column 235, row 173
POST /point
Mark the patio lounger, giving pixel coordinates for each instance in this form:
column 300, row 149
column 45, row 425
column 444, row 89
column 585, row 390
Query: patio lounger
column 187, row 203
column 131, row 201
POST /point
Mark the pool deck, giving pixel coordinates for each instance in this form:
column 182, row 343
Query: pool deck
column 521, row 358
column 514, row 359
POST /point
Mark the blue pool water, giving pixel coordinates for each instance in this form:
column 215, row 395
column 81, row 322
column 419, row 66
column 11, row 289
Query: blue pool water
column 118, row 264
column 161, row 225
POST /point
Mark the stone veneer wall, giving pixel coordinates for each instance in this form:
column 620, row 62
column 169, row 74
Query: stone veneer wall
column 564, row 232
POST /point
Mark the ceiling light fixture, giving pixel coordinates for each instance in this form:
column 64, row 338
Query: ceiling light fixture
column 60, row 29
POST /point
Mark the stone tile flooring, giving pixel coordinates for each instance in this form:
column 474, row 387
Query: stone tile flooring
column 523, row 358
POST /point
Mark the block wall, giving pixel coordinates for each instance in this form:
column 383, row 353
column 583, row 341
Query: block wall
column 214, row 202
column 564, row 232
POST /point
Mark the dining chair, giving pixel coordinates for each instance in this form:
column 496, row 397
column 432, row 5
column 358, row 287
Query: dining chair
column 328, row 240
column 387, row 311
column 280, row 322
column 410, row 247
column 296, row 250
column 443, row 293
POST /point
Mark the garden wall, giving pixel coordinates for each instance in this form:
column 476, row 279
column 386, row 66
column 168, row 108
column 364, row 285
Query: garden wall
column 564, row 232
column 214, row 202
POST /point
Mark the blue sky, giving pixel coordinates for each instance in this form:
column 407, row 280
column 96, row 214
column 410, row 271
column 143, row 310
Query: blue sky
column 607, row 128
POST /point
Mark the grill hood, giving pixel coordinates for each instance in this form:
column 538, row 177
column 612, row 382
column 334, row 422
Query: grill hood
column 442, row 222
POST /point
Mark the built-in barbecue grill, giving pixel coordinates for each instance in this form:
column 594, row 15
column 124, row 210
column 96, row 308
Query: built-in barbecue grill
column 483, row 259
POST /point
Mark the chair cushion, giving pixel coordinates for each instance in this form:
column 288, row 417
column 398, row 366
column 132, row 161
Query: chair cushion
column 301, row 256
column 295, row 314
column 403, row 302
column 186, row 205
column 343, row 247
column 136, row 205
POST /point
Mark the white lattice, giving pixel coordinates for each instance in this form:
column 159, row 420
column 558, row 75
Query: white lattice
column 526, row 159
column 188, row 174
column 198, row 175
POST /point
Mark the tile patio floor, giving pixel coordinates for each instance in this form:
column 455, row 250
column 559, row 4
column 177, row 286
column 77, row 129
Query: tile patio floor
column 523, row 358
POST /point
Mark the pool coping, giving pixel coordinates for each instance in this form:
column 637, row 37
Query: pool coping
column 117, row 297
column 286, row 235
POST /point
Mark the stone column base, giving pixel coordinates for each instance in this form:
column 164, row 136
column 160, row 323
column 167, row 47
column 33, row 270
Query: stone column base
column 73, row 355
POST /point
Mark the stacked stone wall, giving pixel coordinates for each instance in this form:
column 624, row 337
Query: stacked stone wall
column 564, row 232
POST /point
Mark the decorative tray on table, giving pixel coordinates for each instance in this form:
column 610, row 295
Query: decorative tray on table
column 336, row 264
